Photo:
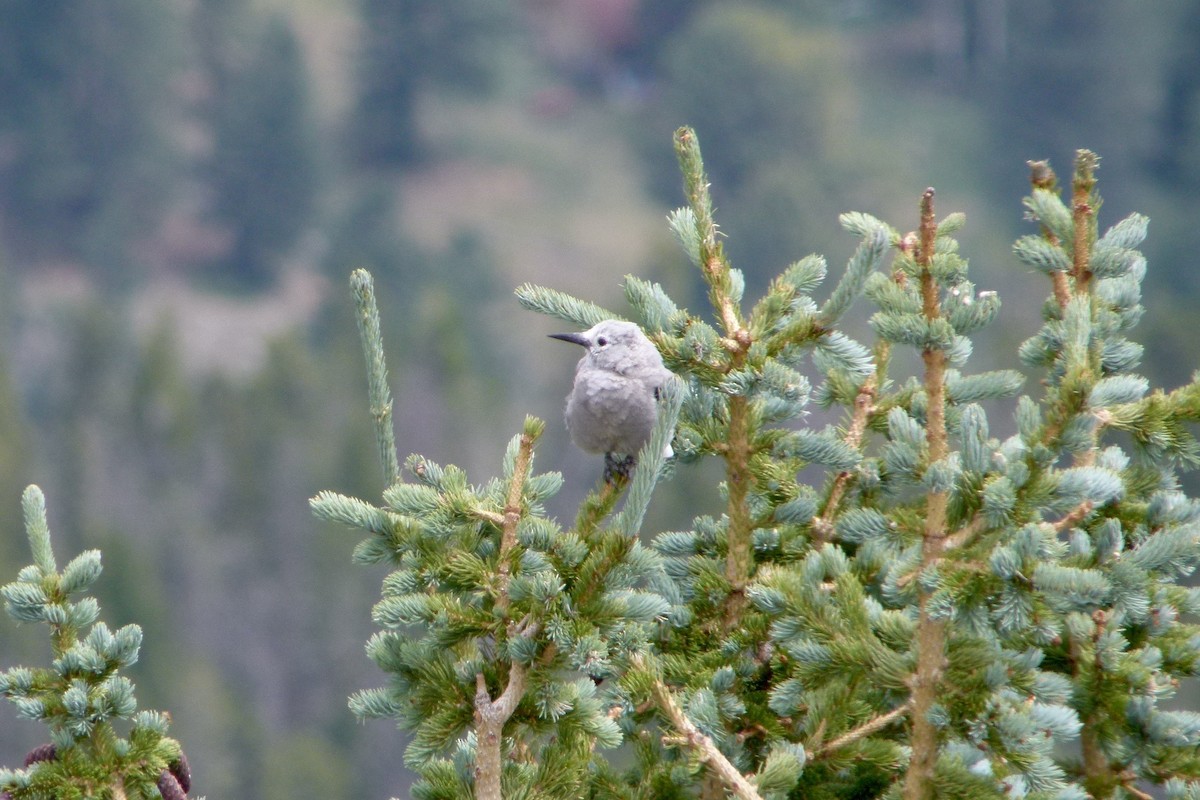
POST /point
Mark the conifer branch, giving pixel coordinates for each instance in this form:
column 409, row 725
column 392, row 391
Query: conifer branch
column 559, row 305
column 598, row 504
column 1127, row 783
column 1083, row 214
column 966, row 534
column 33, row 507
column 739, row 562
column 490, row 716
column 694, row 738
column 512, row 505
column 1061, row 287
column 1098, row 776
column 1077, row 514
column 363, row 287
column 488, row 516
column 1083, row 210
column 864, row 405
column 651, row 459
column 1041, row 176
column 869, row 727
column 713, row 264
column 927, row 237
column 931, row 636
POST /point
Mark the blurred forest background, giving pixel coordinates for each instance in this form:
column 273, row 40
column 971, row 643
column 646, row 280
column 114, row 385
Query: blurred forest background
column 185, row 186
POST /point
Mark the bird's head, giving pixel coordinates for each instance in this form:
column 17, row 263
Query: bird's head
column 608, row 342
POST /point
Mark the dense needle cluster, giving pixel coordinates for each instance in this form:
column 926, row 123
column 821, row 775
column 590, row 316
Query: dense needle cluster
column 81, row 697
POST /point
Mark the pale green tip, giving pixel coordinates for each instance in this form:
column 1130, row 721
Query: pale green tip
column 33, row 505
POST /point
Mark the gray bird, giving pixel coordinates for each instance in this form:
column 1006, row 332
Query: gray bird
column 611, row 408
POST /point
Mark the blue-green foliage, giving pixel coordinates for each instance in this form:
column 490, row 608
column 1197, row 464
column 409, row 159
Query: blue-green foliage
column 81, row 695
column 1058, row 584
column 786, row 630
column 465, row 604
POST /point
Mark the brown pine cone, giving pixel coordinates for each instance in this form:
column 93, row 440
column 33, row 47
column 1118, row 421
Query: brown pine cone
column 182, row 772
column 169, row 788
column 44, row 752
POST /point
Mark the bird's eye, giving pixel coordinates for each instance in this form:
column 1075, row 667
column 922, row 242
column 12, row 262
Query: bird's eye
column 602, row 342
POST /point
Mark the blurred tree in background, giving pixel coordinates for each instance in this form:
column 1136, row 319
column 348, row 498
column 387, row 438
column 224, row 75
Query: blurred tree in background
column 410, row 46
column 265, row 164
column 86, row 153
column 769, row 94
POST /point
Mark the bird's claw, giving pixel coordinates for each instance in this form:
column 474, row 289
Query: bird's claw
column 616, row 468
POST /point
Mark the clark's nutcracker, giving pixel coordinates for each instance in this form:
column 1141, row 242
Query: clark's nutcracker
column 611, row 408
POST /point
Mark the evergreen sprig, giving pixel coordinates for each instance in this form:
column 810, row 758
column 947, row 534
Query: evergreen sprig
column 363, row 288
column 81, row 697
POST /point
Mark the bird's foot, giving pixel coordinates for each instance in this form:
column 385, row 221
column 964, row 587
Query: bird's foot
column 617, row 469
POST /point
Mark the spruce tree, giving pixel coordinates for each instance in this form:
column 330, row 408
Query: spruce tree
column 81, row 696
column 88, row 116
column 408, row 46
column 265, row 171
column 939, row 613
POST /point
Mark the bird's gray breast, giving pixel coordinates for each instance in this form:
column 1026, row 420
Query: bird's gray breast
column 610, row 413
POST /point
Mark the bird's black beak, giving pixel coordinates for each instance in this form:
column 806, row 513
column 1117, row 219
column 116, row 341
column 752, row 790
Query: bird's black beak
column 577, row 338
